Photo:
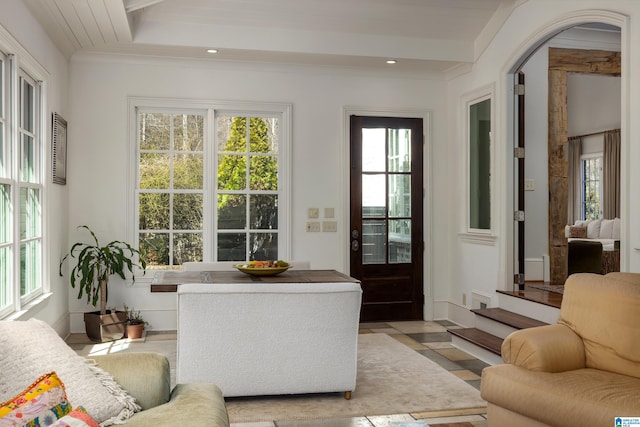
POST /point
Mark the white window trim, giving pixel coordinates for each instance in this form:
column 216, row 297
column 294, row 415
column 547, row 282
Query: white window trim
column 208, row 107
column 18, row 58
column 469, row 234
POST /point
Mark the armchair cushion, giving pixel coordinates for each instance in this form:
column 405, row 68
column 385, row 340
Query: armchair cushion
column 582, row 397
column 150, row 386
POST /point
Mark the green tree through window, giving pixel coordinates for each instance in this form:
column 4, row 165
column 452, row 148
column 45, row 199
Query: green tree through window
column 248, row 196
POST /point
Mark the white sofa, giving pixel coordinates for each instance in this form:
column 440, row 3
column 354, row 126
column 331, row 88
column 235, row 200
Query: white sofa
column 269, row 338
column 605, row 231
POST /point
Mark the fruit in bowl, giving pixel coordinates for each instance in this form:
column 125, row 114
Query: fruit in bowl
column 263, row 268
column 266, row 264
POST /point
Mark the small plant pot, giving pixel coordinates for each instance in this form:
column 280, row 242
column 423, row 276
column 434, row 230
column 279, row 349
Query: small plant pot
column 134, row 332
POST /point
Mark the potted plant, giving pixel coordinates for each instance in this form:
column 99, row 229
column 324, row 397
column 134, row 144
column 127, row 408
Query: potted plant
column 135, row 323
column 94, row 264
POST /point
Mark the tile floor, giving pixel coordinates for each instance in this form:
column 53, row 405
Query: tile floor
column 430, row 339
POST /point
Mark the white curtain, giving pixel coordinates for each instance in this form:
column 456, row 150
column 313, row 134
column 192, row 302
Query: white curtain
column 611, row 175
column 574, row 204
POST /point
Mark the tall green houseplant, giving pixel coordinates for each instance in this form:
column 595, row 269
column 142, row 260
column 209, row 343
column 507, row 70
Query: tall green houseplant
column 93, row 266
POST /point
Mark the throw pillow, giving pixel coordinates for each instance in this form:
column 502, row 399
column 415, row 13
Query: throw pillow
column 577, row 232
column 593, row 229
column 40, row 404
column 76, row 418
column 615, row 234
column 32, row 347
column 606, row 229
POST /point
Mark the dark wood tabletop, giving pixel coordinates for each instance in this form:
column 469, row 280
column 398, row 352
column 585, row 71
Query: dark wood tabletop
column 169, row 281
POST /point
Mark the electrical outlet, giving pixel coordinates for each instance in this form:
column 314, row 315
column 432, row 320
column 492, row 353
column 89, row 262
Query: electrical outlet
column 313, row 226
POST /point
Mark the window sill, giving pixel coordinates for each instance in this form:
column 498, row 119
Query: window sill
column 32, row 305
column 479, row 239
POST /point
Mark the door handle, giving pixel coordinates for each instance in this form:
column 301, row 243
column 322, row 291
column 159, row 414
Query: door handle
column 355, row 244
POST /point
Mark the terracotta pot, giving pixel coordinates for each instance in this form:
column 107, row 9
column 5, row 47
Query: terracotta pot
column 135, row 331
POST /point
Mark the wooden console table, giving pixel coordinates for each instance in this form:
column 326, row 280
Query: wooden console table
column 168, row 281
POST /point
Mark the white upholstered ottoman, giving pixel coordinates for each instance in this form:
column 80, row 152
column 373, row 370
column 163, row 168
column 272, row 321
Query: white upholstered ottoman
column 269, row 338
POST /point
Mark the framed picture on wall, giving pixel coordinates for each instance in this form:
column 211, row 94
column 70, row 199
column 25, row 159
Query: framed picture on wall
column 59, row 150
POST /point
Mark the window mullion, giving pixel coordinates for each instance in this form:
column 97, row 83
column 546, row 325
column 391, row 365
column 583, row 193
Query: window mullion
column 247, row 188
column 210, row 228
column 14, row 172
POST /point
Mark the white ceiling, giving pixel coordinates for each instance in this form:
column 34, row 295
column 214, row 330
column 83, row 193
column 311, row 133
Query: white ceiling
column 422, row 35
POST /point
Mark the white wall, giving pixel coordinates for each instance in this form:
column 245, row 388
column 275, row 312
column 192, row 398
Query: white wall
column 593, row 105
column 94, row 103
column 484, row 267
column 16, row 19
column 99, row 155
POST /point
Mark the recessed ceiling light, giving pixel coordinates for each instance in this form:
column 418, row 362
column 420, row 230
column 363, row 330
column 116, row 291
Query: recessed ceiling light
column 212, row 50
column 391, row 61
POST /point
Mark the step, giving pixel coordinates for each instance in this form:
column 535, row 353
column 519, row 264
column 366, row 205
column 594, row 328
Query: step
column 492, row 326
column 479, row 338
column 532, row 309
column 509, row 318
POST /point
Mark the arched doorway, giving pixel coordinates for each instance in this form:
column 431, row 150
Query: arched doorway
column 552, row 186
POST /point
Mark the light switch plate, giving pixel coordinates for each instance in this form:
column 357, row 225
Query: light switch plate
column 313, row 226
column 329, row 213
column 330, row 226
column 313, row 213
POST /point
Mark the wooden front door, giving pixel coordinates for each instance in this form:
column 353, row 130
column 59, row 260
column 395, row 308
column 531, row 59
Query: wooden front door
column 386, row 230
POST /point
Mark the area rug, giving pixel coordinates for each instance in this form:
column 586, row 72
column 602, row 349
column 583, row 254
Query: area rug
column 558, row 289
column 391, row 379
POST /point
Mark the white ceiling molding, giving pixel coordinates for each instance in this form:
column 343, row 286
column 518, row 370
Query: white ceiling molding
column 424, row 36
column 133, row 5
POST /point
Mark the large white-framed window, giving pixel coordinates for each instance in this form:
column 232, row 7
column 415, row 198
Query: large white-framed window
column 22, row 177
column 591, row 180
column 211, row 181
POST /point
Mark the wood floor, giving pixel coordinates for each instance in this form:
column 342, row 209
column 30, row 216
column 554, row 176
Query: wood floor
column 552, row 299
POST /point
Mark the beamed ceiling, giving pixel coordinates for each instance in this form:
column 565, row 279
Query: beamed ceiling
column 421, row 35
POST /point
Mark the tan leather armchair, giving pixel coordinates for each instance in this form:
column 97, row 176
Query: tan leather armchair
column 582, row 371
